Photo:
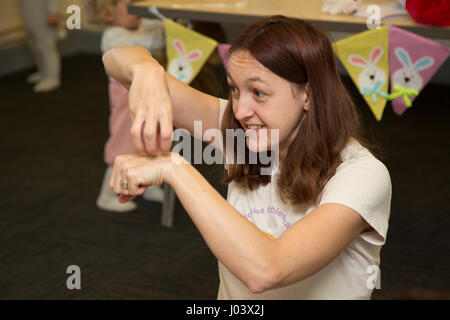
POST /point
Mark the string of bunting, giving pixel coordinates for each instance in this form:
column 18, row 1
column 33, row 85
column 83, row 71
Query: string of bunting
column 391, row 55
column 386, row 64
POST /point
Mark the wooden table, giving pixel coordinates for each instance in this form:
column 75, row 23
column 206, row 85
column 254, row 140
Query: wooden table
column 246, row 11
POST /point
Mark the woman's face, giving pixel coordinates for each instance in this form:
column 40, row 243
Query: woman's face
column 122, row 18
column 263, row 101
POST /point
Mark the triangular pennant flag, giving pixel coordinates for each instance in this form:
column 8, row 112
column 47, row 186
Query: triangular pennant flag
column 413, row 61
column 187, row 51
column 223, row 52
column 365, row 56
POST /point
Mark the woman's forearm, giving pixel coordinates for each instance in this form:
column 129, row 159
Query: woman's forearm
column 156, row 92
column 236, row 242
column 121, row 63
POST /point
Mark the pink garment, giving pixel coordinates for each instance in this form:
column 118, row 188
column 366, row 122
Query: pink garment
column 119, row 141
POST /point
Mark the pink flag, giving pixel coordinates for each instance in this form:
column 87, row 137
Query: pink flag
column 413, row 62
column 223, row 51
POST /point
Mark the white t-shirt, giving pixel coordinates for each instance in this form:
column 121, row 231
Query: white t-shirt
column 361, row 183
column 149, row 35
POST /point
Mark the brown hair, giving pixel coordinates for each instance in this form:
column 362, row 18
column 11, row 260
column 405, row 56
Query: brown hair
column 97, row 10
column 301, row 53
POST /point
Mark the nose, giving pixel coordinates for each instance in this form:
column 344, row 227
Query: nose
column 372, row 77
column 242, row 109
column 407, row 79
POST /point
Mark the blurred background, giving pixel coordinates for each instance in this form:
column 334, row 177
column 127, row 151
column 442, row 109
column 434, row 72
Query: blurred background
column 52, row 166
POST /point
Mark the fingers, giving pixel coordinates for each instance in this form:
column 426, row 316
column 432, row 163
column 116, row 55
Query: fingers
column 126, row 184
column 157, row 135
column 136, row 135
column 165, row 134
column 144, row 132
column 126, row 176
column 138, row 117
column 149, row 134
column 166, row 127
column 130, row 180
column 114, row 181
column 152, row 126
column 125, row 198
column 120, row 180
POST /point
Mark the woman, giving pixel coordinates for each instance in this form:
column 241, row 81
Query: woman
column 311, row 230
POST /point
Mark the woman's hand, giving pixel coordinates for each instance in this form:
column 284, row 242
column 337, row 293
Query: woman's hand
column 150, row 109
column 150, row 104
column 133, row 173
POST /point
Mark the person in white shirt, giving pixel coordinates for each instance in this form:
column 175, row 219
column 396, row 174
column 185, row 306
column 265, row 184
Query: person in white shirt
column 123, row 29
column 309, row 224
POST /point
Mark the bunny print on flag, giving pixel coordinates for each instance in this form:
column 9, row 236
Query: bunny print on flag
column 181, row 67
column 371, row 78
column 407, row 81
column 408, row 76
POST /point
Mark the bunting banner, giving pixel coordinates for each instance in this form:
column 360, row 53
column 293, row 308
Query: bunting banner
column 366, row 58
column 413, row 62
column 223, row 52
column 187, row 51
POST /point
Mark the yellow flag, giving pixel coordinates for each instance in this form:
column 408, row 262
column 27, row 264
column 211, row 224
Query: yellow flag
column 366, row 58
column 187, row 51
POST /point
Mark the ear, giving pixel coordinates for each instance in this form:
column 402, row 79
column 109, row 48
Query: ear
column 403, row 56
column 307, row 97
column 179, row 47
column 376, row 54
column 423, row 63
column 194, row 55
column 357, row 61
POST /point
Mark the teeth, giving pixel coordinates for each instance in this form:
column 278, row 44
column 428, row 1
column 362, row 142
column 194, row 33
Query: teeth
column 254, row 127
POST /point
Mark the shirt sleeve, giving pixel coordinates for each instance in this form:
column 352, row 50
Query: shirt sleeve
column 363, row 185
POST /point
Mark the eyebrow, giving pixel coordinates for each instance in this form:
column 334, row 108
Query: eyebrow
column 252, row 79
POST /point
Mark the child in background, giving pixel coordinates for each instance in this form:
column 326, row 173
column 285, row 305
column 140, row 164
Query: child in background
column 40, row 19
column 123, row 30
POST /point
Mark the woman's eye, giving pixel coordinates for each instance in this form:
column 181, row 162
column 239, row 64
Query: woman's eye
column 258, row 94
column 233, row 89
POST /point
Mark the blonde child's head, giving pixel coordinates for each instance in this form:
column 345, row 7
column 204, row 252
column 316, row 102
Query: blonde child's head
column 113, row 12
column 98, row 10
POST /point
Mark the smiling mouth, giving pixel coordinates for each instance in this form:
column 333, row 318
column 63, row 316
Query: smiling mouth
column 253, row 128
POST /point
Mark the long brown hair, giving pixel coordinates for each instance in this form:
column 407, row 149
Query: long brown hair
column 301, row 53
